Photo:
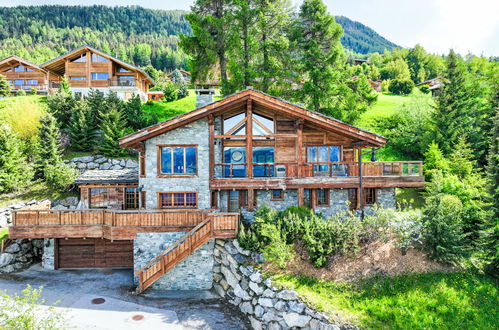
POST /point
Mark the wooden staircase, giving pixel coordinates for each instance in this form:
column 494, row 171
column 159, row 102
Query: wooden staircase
column 214, row 226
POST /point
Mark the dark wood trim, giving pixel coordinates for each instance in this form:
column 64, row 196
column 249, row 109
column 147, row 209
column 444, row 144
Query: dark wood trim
column 251, row 199
column 211, row 142
column 158, row 196
column 159, row 174
column 300, row 196
column 56, row 253
column 249, row 138
column 142, row 164
column 328, row 197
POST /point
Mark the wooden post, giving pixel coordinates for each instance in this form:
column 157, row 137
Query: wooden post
column 300, row 196
column 360, row 192
column 299, row 146
column 251, row 199
column 313, row 197
column 249, row 138
column 211, row 145
column 87, row 64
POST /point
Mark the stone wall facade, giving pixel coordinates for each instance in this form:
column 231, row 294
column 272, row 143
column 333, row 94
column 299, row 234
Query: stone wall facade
column 195, row 133
column 266, row 306
column 195, row 272
column 20, row 254
column 48, row 259
column 99, row 162
column 386, row 198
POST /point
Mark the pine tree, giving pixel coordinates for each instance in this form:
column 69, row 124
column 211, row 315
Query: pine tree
column 61, row 105
column 95, row 101
column 4, row 86
column 112, row 128
column 15, row 172
column 80, row 128
column 49, row 151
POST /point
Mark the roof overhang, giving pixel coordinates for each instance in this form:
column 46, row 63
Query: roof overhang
column 14, row 59
column 57, row 64
column 272, row 103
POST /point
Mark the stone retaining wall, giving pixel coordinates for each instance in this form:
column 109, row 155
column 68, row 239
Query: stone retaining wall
column 266, row 306
column 101, row 163
column 20, row 254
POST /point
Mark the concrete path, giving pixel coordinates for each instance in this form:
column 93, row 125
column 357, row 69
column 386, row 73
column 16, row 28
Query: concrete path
column 103, row 299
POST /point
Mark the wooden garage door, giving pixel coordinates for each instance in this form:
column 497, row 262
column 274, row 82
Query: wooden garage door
column 88, row 253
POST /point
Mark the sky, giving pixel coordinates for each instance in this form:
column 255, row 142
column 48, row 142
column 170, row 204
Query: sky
column 437, row 25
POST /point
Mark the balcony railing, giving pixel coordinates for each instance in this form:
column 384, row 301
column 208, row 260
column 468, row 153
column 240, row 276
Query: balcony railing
column 122, row 82
column 321, row 169
column 40, row 87
column 113, row 224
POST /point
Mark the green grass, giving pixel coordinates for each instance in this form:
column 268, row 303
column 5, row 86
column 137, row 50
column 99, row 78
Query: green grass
column 418, row 301
column 23, row 113
column 4, row 233
column 37, row 190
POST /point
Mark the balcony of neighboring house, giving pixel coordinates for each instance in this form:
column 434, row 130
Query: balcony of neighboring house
column 123, row 81
column 27, row 85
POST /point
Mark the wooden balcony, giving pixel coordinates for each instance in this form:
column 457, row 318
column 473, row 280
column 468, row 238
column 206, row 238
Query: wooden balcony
column 321, row 174
column 116, row 224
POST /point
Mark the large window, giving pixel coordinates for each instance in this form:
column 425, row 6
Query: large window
column 263, row 155
column 178, row 160
column 100, row 76
column 370, row 196
column 18, row 82
column 178, row 200
column 236, row 125
column 325, row 154
column 99, row 198
column 80, row 58
column 19, row 68
column 98, row 59
column 237, row 157
column 77, row 78
column 131, row 198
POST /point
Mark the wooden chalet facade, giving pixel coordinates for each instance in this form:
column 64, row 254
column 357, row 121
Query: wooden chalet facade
column 23, row 75
column 199, row 171
column 87, row 68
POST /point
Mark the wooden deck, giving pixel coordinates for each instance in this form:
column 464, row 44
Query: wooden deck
column 115, row 224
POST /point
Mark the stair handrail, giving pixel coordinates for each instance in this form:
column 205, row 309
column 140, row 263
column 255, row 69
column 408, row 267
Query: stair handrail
column 173, row 246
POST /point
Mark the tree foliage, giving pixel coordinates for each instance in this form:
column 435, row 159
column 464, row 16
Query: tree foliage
column 4, row 86
column 112, row 128
column 15, row 173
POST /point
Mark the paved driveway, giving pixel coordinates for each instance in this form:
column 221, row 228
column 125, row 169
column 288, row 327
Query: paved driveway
column 77, row 290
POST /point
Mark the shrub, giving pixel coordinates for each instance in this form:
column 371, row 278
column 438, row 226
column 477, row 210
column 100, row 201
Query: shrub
column 34, row 91
column 59, row 176
column 4, row 86
column 425, row 89
column 21, row 92
column 15, row 173
column 277, row 249
column 24, row 312
column 401, row 86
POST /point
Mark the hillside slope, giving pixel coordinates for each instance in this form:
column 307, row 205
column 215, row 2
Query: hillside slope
column 134, row 34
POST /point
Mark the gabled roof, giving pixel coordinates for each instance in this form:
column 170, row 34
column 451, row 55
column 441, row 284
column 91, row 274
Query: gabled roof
column 108, row 176
column 237, row 99
column 52, row 63
column 22, row 61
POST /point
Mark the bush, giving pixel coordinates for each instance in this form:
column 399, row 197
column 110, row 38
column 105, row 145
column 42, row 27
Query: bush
column 277, row 250
column 33, row 91
column 24, row 312
column 401, row 86
column 59, row 176
column 21, row 92
column 425, row 89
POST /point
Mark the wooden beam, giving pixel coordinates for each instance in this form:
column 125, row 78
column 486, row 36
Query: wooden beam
column 211, row 143
column 251, row 199
column 249, row 138
column 299, row 144
column 300, row 196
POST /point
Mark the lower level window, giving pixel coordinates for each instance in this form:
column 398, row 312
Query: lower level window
column 131, row 198
column 99, row 198
column 277, row 195
column 178, row 200
column 322, row 197
column 370, row 196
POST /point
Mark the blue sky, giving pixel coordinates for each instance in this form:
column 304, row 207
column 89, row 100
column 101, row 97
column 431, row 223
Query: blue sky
column 436, row 24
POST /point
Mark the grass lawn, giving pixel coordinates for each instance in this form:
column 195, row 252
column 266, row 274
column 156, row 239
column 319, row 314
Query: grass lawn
column 4, row 233
column 37, row 190
column 418, row 301
column 23, row 113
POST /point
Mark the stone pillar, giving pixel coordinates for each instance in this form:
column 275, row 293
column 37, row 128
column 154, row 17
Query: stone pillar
column 48, row 258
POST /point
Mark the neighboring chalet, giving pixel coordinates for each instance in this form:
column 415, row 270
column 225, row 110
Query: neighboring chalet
column 434, row 85
column 87, row 68
column 198, row 172
column 185, row 74
column 24, row 75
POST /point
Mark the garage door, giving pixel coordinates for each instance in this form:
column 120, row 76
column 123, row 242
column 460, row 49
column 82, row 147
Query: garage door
column 88, row 253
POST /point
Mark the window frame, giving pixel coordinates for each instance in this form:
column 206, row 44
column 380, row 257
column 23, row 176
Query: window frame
column 97, row 76
column 77, row 78
column 327, row 197
column 340, row 156
column 272, row 196
column 172, row 193
column 370, row 192
column 96, row 58
column 102, row 190
column 159, row 161
column 19, row 68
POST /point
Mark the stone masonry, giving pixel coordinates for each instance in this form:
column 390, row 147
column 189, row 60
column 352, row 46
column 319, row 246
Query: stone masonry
column 195, row 272
column 266, row 306
column 195, row 133
column 94, row 162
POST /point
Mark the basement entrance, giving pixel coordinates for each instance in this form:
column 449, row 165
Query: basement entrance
column 93, row 253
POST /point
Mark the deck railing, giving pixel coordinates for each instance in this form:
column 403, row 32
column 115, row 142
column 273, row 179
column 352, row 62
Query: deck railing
column 320, row 169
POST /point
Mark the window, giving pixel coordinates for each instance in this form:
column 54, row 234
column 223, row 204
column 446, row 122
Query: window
column 178, row 160
column 237, row 200
column 262, row 125
column 98, row 198
column 32, row 82
column 322, row 197
column 214, row 199
column 98, row 59
column 131, row 198
column 18, row 82
column 80, row 58
column 263, row 155
column 236, row 125
column 325, row 154
column 19, row 68
column 370, row 196
column 237, row 157
column 277, row 195
column 178, row 200
column 77, row 78
column 123, row 70
column 29, row 70
column 8, row 70
column 100, row 76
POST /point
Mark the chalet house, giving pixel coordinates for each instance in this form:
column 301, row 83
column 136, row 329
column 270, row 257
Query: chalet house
column 198, row 172
column 434, row 85
column 24, row 75
column 87, row 68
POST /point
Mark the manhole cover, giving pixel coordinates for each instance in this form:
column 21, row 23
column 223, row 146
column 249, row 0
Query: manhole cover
column 137, row 317
column 98, row 301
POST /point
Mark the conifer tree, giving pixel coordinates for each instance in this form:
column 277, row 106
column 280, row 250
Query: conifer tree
column 15, row 172
column 61, row 105
column 95, row 101
column 112, row 128
column 49, row 151
column 4, row 86
column 80, row 128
